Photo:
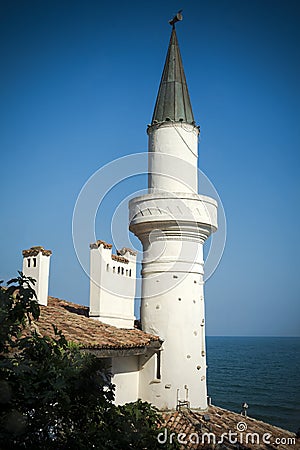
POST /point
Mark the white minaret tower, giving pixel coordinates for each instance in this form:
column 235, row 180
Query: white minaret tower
column 36, row 264
column 172, row 221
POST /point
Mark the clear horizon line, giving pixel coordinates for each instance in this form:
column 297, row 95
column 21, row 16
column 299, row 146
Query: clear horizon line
column 260, row 336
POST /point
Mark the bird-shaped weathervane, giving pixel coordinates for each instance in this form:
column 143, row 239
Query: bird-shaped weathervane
column 176, row 18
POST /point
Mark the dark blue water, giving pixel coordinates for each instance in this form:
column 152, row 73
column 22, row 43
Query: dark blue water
column 262, row 371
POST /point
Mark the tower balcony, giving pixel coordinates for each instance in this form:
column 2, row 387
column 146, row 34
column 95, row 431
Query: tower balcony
column 191, row 215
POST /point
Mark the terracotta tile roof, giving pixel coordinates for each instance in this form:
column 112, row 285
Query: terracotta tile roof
column 125, row 250
column 120, row 259
column 220, row 421
column 34, row 251
column 99, row 242
column 72, row 320
column 81, row 310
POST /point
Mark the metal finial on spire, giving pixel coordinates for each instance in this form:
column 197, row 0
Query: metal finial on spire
column 177, row 18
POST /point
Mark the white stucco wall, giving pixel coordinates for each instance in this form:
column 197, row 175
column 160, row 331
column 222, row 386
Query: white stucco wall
column 173, row 308
column 125, row 372
column 178, row 318
column 173, row 154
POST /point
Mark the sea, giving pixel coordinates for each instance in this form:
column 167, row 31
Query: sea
column 264, row 372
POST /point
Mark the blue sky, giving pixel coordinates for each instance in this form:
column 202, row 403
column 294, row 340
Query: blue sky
column 78, row 85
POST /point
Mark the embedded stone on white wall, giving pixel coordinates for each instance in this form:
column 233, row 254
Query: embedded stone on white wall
column 36, row 264
column 112, row 285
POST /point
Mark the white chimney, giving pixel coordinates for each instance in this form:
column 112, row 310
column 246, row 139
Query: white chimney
column 112, row 285
column 36, row 264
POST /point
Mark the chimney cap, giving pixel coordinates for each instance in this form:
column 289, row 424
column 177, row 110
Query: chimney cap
column 34, row 251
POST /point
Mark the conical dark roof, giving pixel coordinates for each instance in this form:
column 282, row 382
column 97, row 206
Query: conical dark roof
column 173, row 100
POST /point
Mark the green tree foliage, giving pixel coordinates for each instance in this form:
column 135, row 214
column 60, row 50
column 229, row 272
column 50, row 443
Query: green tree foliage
column 17, row 306
column 55, row 396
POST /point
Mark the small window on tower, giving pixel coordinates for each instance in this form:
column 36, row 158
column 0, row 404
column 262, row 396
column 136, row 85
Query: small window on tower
column 34, row 262
column 130, row 272
column 28, row 262
column 119, row 269
column 122, row 270
column 107, row 267
column 114, row 269
column 158, row 363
